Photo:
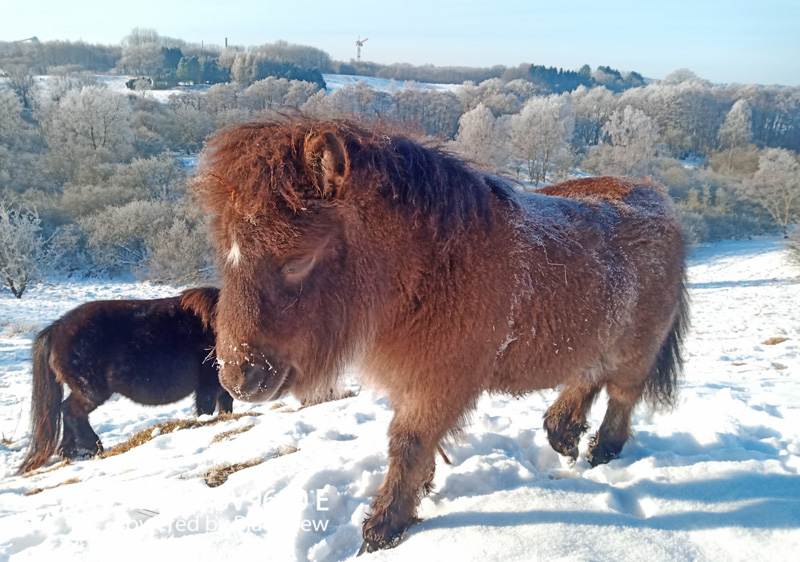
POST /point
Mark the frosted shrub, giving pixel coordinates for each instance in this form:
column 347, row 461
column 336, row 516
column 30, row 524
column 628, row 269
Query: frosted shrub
column 66, row 251
column 82, row 200
column 180, row 254
column 776, row 186
column 21, row 247
column 120, row 236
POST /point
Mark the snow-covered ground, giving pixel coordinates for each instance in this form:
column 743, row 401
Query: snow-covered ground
column 336, row 81
column 116, row 83
column 717, row 479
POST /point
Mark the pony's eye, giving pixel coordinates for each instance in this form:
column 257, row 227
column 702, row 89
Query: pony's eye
column 297, row 269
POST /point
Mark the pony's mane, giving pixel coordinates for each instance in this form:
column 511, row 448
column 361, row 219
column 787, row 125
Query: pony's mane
column 267, row 164
column 202, row 301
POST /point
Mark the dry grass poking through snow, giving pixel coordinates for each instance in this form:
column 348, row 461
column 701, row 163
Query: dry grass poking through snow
column 145, row 435
column 775, row 341
column 228, row 434
column 64, row 483
column 56, row 466
column 13, row 328
column 218, row 475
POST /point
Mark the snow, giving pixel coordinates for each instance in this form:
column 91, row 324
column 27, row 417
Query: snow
column 336, row 81
column 716, row 479
column 116, row 84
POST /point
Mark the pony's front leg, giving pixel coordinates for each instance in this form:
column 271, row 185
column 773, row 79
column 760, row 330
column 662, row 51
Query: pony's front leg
column 412, row 458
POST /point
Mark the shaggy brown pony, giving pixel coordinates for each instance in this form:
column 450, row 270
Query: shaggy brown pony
column 341, row 245
column 152, row 351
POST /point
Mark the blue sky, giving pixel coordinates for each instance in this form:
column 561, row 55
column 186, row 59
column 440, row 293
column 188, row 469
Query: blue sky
column 723, row 41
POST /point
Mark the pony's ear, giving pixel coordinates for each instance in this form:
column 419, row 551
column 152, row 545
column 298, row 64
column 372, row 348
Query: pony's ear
column 327, row 160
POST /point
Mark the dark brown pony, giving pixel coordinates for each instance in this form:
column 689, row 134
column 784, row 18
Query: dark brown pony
column 344, row 245
column 152, row 351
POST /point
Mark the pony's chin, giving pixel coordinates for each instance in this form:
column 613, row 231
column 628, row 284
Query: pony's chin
column 285, row 385
column 259, row 392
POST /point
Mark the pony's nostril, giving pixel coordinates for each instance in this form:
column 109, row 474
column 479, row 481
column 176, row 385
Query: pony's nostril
column 254, row 376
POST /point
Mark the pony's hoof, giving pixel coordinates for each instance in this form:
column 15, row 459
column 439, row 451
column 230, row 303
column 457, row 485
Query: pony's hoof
column 600, row 454
column 565, row 438
column 79, row 452
column 383, row 534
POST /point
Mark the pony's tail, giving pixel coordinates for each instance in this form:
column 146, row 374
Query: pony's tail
column 45, row 405
column 661, row 385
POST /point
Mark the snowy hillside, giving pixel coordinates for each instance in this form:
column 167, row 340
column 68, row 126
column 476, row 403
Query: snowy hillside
column 333, row 81
column 717, row 479
column 336, row 81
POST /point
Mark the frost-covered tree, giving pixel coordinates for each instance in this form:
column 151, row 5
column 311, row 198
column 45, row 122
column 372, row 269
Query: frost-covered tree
column 469, row 95
column 493, row 93
column 299, row 92
column 776, row 186
column 269, row 93
column 541, row 131
column 188, row 127
column 141, row 36
column 737, row 129
column 13, row 128
column 688, row 114
column 21, row 79
column 523, row 89
column 679, row 76
column 92, row 120
column 58, row 85
column 21, row 246
column 483, row 138
column 222, row 97
column 591, row 107
column 145, row 59
column 632, row 136
column 318, row 106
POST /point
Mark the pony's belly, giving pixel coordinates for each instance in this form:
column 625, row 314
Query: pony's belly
column 154, row 384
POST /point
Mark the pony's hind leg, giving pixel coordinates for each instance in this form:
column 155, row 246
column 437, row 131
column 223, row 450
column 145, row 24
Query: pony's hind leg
column 616, row 427
column 79, row 438
column 565, row 420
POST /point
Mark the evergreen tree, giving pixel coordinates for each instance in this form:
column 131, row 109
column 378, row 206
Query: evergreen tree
column 189, row 70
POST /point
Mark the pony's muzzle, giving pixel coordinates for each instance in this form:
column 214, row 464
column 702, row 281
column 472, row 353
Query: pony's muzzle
column 258, row 382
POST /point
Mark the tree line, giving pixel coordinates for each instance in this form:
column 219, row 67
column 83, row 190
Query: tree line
column 92, row 180
column 166, row 61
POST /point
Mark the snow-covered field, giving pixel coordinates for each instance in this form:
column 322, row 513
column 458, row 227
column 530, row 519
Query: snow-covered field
column 336, row 81
column 717, row 479
column 116, row 83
